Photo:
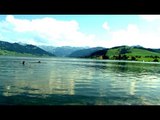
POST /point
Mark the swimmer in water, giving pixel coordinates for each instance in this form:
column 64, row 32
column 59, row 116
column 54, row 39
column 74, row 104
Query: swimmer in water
column 39, row 61
column 23, row 62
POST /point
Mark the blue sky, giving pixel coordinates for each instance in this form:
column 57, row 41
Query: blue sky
column 82, row 30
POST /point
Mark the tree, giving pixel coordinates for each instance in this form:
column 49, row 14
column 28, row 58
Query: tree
column 133, row 58
column 124, row 57
column 155, row 56
column 119, row 57
column 155, row 60
column 105, row 57
column 124, row 50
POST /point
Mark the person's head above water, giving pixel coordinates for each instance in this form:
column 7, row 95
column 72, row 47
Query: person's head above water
column 23, row 62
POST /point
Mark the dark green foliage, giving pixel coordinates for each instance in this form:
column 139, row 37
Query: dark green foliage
column 124, row 57
column 156, row 56
column 151, row 56
column 155, row 60
column 120, row 57
column 133, row 58
column 124, row 50
column 105, row 57
column 138, row 56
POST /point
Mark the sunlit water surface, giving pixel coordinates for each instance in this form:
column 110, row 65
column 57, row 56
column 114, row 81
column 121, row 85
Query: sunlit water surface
column 68, row 81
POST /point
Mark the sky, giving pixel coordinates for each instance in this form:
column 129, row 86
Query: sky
column 82, row 30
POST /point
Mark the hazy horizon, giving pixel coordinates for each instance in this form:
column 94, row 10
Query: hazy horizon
column 81, row 30
column 69, row 46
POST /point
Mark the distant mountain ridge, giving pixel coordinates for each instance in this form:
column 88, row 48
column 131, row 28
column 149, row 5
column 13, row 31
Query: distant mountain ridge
column 63, row 51
column 85, row 52
column 138, row 53
column 23, row 49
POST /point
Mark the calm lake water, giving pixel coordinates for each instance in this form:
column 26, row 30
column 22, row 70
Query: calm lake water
column 68, row 81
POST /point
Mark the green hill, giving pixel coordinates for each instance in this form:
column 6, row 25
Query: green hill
column 11, row 53
column 15, row 49
column 130, row 53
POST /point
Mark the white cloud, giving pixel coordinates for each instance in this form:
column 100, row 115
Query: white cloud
column 128, row 36
column 50, row 31
column 54, row 32
column 133, row 35
column 106, row 26
column 150, row 18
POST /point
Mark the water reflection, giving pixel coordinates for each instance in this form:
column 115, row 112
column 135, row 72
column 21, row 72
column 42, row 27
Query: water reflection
column 132, row 88
column 36, row 79
column 106, row 82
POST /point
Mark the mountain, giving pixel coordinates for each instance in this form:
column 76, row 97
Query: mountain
column 63, row 51
column 7, row 48
column 132, row 51
column 85, row 52
column 47, row 48
column 138, row 53
column 99, row 54
column 149, row 49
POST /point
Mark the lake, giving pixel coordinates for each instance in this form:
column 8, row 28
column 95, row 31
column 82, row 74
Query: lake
column 71, row 81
